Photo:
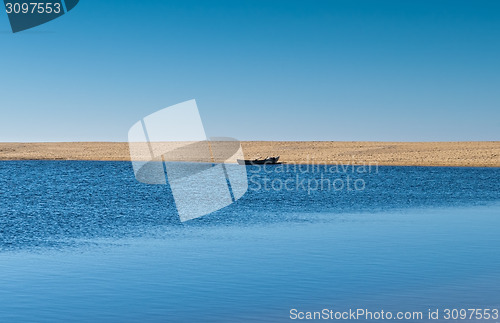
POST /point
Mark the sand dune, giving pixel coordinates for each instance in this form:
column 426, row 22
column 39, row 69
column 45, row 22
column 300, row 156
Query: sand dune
column 476, row 154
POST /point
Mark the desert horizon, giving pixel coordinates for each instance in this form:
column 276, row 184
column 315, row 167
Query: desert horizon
column 457, row 153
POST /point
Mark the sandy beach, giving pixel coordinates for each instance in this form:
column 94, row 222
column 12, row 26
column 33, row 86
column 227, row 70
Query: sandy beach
column 472, row 154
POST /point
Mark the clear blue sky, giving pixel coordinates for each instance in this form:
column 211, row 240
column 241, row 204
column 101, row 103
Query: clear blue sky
column 259, row 69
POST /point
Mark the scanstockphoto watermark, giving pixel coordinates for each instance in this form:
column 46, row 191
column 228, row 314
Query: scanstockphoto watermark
column 170, row 147
column 312, row 177
column 355, row 314
column 485, row 314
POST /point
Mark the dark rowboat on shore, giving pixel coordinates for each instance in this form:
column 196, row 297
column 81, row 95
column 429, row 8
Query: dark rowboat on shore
column 265, row 161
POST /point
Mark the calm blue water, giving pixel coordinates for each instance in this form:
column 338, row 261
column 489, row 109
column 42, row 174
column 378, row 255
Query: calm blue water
column 84, row 241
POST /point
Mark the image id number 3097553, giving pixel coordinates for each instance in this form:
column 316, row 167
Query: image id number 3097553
column 33, row 7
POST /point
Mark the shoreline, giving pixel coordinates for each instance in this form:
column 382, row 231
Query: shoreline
column 274, row 165
column 428, row 154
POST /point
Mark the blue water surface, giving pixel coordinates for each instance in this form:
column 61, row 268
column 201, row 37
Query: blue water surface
column 84, row 241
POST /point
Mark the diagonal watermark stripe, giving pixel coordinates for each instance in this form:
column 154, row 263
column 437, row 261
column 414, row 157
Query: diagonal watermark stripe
column 170, row 146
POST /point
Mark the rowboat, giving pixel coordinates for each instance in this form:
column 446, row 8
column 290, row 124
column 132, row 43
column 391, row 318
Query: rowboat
column 260, row 161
